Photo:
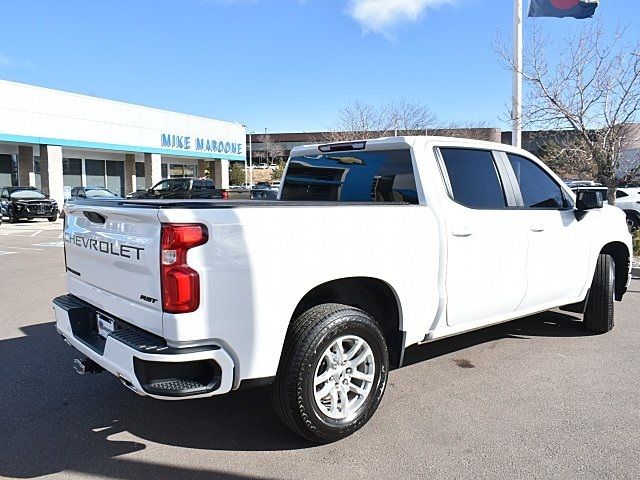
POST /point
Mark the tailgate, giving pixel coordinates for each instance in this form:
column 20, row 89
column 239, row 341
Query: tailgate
column 113, row 261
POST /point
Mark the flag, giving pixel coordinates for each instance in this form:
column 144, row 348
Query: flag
column 563, row 8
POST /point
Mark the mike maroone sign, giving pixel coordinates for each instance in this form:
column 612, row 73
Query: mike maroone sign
column 200, row 144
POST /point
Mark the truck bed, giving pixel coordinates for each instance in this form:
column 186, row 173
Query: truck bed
column 220, row 204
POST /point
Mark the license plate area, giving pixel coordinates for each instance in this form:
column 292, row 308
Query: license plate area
column 106, row 325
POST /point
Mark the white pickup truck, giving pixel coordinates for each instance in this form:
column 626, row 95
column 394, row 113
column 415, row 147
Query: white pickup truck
column 379, row 245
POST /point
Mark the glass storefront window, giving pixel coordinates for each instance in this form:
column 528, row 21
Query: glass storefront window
column 95, row 170
column 190, row 171
column 6, row 170
column 176, row 171
column 164, row 170
column 72, row 172
column 140, row 184
column 181, row 171
column 115, row 177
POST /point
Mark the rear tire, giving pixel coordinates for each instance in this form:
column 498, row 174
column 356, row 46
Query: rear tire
column 339, row 350
column 599, row 314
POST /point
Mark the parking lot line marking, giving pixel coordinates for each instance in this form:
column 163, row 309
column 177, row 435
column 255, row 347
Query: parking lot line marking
column 6, row 253
column 36, row 233
column 20, row 248
column 49, row 244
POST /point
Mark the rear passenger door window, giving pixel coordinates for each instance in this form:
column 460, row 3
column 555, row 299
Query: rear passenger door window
column 473, row 178
column 538, row 189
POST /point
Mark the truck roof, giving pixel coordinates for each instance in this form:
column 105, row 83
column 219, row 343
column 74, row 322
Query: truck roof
column 383, row 143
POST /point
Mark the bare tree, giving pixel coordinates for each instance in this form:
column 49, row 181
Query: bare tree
column 360, row 120
column 408, row 117
column 569, row 158
column 269, row 151
column 478, row 130
column 592, row 89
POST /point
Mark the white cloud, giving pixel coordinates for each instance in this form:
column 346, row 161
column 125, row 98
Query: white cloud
column 381, row 16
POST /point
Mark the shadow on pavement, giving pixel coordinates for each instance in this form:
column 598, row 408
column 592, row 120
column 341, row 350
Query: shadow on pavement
column 52, row 420
column 547, row 324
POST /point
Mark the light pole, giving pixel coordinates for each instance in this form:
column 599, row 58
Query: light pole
column 245, row 161
column 266, row 147
column 516, row 139
column 250, row 160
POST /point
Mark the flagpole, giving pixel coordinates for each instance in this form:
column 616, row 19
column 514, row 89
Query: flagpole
column 516, row 136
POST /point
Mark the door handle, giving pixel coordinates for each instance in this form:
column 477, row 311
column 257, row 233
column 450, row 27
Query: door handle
column 537, row 228
column 462, row 232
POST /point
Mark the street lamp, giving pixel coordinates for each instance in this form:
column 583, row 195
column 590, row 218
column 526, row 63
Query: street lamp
column 250, row 160
column 265, row 144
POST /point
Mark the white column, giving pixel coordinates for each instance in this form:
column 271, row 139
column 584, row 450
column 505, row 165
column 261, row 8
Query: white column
column 221, row 174
column 129, row 173
column 152, row 169
column 51, row 172
column 516, row 136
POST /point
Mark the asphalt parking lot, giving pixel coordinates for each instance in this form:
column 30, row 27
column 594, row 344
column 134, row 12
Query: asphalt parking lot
column 534, row 398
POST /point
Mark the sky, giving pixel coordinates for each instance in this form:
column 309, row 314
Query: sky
column 284, row 65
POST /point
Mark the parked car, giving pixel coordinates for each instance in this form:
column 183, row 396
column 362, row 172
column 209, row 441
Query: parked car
column 263, row 191
column 182, row 188
column 627, row 199
column 27, row 202
column 97, row 193
column 381, row 244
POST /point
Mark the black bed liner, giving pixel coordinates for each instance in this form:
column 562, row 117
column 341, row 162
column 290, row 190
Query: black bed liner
column 213, row 204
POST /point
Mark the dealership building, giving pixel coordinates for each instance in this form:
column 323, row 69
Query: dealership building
column 57, row 140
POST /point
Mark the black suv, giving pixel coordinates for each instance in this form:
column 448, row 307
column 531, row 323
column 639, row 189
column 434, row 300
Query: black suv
column 179, row 188
column 27, row 202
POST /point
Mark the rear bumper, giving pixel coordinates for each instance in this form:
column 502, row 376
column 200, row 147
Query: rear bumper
column 143, row 362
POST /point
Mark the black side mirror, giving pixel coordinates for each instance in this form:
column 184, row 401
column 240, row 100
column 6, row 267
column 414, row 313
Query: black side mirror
column 589, row 200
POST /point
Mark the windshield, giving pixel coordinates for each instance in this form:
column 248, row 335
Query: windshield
column 100, row 193
column 27, row 194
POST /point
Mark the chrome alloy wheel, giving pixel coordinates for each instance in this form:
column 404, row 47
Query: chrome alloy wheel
column 344, row 377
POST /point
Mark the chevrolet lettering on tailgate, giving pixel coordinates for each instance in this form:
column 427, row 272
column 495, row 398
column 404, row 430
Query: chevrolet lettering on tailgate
column 104, row 246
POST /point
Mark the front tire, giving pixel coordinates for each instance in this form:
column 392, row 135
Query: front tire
column 13, row 218
column 633, row 220
column 599, row 314
column 53, row 219
column 332, row 374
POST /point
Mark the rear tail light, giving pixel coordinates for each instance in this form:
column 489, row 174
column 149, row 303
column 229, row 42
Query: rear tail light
column 180, row 282
column 225, row 195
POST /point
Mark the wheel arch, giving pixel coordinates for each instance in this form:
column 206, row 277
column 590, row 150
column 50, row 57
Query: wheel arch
column 374, row 296
column 621, row 256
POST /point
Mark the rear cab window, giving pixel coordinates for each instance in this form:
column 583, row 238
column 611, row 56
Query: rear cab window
column 473, row 178
column 384, row 176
